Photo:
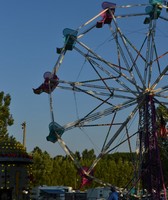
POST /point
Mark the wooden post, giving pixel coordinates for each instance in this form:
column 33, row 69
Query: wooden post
column 24, row 133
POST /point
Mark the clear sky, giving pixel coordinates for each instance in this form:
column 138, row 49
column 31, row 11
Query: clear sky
column 30, row 31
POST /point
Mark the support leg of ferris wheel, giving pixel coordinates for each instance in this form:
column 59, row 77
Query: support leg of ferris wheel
column 150, row 165
column 149, row 156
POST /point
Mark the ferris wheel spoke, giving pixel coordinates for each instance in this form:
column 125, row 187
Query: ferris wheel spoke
column 164, row 103
column 89, row 21
column 160, row 92
column 161, row 56
column 135, row 49
column 86, row 31
column 130, row 15
column 149, row 53
column 95, row 94
column 124, row 41
column 105, row 10
column 138, row 55
column 116, row 68
column 158, row 64
column 122, row 142
column 59, row 61
column 131, row 115
column 162, row 89
column 157, row 58
column 116, row 16
column 164, row 18
column 111, row 91
column 162, row 95
column 147, row 56
column 109, row 88
column 108, row 132
column 119, row 48
column 116, row 134
column 91, row 93
column 89, row 57
column 160, row 102
column 109, row 74
column 114, row 77
column 83, row 121
column 96, row 89
column 131, row 5
column 159, row 77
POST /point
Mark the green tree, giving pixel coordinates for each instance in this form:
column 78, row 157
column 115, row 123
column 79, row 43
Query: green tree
column 47, row 168
column 6, row 118
column 42, row 167
column 115, row 169
column 37, row 150
column 37, row 169
column 162, row 111
column 88, row 154
column 57, row 170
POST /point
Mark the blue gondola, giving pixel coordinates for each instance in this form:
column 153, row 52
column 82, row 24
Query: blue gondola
column 55, row 129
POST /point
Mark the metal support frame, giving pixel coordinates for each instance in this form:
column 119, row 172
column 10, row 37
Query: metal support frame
column 150, row 165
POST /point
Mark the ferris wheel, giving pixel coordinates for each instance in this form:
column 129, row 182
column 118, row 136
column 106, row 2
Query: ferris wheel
column 117, row 77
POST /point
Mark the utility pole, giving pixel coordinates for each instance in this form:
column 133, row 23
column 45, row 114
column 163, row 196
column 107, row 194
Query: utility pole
column 24, row 133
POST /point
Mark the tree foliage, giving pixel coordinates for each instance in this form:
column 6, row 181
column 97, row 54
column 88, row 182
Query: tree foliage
column 116, row 169
column 61, row 170
column 162, row 111
column 6, row 118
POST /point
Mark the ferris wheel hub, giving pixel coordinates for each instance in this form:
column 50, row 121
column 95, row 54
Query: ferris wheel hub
column 149, row 91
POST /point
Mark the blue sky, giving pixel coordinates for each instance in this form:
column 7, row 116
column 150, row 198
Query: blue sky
column 30, row 31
